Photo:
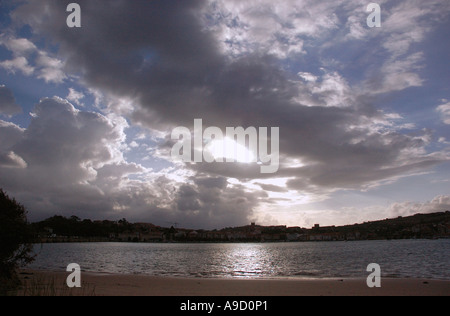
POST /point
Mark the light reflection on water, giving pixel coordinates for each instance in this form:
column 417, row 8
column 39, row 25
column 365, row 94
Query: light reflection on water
column 400, row 258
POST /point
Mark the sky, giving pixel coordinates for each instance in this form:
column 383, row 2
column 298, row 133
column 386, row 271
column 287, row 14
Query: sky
column 86, row 113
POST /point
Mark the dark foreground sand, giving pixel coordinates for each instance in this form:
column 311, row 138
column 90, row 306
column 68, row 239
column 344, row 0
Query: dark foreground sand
column 53, row 283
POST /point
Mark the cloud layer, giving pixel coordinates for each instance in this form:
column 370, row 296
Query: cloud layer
column 161, row 64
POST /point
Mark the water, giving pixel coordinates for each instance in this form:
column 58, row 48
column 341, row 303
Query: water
column 397, row 258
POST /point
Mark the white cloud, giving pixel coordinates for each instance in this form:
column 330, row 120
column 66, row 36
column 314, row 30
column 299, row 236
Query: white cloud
column 18, row 64
column 397, row 74
column 438, row 204
column 395, row 56
column 18, row 46
column 356, row 27
column 277, row 28
column 307, row 76
column 333, row 90
column 444, row 110
column 75, row 96
column 328, row 90
column 134, row 144
column 70, row 142
column 47, row 68
column 50, row 69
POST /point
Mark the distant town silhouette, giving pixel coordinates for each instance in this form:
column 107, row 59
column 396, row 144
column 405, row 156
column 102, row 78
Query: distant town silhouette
column 73, row 229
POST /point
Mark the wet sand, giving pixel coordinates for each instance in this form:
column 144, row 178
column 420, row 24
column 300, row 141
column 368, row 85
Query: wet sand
column 96, row 284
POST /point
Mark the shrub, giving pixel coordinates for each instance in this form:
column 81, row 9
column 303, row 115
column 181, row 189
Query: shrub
column 15, row 241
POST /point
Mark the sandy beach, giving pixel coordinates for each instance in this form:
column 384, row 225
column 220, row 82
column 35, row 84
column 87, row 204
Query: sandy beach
column 96, row 284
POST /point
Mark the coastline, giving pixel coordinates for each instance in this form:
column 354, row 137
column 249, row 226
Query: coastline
column 102, row 284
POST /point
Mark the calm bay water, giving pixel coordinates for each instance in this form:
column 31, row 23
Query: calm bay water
column 397, row 258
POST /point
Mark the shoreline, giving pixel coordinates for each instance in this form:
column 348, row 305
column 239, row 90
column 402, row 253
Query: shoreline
column 70, row 240
column 105, row 284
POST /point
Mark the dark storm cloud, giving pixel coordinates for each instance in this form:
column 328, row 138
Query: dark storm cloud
column 8, row 105
column 211, row 203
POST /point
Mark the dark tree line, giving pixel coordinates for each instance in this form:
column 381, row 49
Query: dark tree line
column 74, row 226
